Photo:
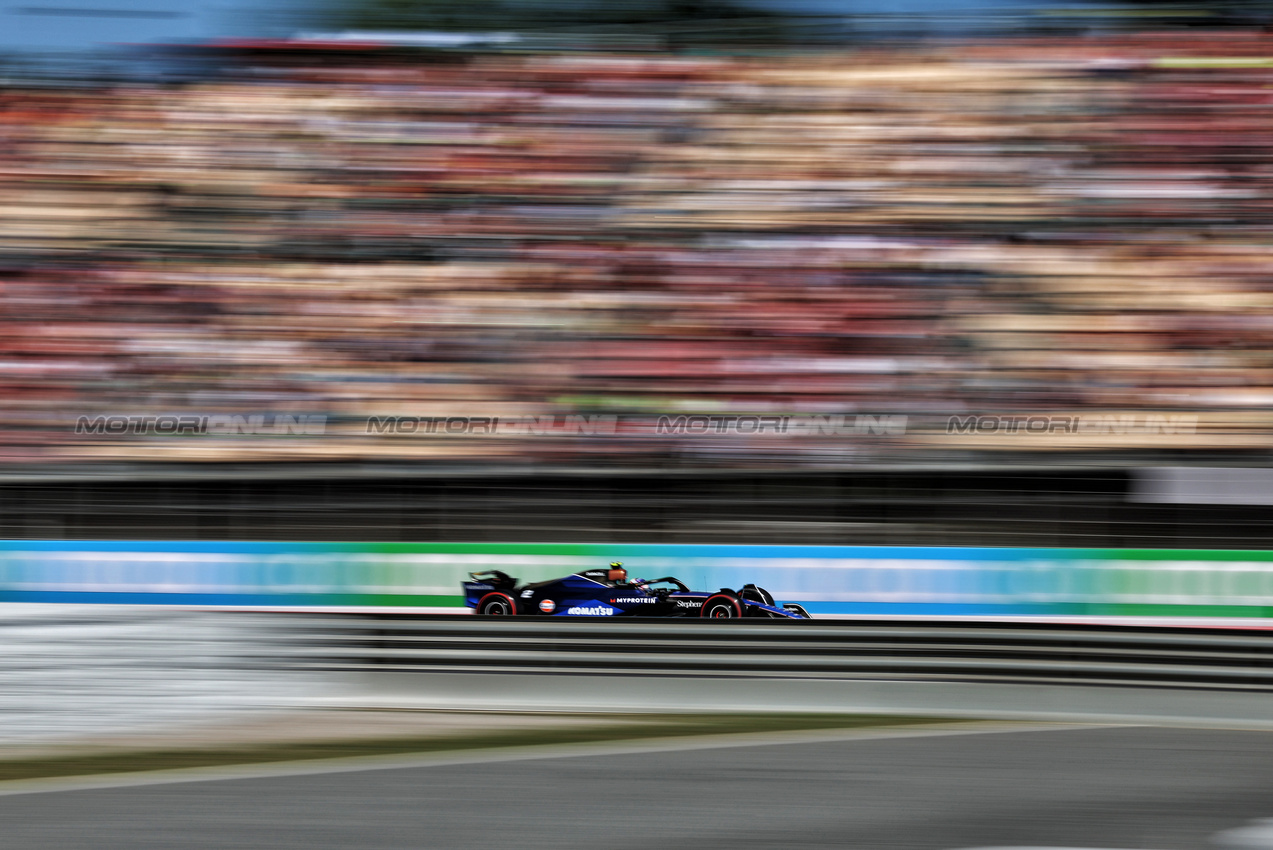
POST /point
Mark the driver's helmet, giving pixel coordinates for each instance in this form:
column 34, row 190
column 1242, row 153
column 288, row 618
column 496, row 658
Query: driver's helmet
column 617, row 572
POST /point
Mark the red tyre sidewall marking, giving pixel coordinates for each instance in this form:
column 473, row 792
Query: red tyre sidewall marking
column 733, row 603
column 512, row 603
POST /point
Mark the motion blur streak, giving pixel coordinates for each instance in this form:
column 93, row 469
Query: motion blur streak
column 1169, row 789
column 87, row 673
column 1070, row 225
column 961, row 321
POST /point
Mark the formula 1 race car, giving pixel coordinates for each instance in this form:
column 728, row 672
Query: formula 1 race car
column 609, row 593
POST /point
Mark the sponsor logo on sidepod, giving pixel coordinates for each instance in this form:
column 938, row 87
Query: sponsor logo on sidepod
column 593, row 611
column 547, row 606
column 690, row 603
column 635, row 599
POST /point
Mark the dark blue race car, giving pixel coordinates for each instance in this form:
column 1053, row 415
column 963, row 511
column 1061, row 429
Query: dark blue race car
column 609, row 593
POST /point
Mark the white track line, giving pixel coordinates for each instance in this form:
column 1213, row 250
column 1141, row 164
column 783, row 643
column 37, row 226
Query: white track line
column 351, row 764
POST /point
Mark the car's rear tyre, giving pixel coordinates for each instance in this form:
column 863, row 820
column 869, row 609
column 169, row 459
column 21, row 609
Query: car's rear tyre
column 497, row 605
column 721, row 606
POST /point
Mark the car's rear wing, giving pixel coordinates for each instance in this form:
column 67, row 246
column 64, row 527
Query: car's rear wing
column 485, row 582
column 499, row 579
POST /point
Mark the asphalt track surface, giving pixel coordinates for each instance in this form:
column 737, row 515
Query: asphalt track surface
column 1113, row 787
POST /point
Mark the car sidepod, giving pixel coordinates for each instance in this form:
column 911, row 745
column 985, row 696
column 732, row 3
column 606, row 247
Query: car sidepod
column 636, row 602
column 574, row 596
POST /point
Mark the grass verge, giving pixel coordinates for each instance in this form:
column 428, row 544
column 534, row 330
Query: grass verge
column 625, row 727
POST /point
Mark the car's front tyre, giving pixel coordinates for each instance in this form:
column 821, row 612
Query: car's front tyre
column 496, row 605
column 721, row 606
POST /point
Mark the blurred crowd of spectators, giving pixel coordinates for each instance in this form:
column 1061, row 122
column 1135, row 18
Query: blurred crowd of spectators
column 1066, row 225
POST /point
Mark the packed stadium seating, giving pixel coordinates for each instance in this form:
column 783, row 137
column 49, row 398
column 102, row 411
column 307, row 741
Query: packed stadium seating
column 1013, row 227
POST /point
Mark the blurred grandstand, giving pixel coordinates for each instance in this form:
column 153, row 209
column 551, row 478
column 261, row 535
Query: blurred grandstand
column 1044, row 261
